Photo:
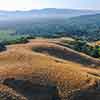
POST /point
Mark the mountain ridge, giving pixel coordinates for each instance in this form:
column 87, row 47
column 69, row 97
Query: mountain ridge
column 75, row 12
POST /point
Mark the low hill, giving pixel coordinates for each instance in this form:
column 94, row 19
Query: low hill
column 86, row 26
column 44, row 76
column 65, row 53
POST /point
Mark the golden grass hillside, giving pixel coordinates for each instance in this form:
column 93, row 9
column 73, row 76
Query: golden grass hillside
column 45, row 76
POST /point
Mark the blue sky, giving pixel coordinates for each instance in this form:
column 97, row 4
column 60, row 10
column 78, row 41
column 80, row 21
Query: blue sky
column 38, row 4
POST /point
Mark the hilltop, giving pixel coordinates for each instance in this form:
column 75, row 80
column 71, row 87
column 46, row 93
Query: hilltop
column 35, row 71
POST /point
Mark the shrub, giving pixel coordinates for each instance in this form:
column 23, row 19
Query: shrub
column 15, row 41
column 2, row 47
column 96, row 52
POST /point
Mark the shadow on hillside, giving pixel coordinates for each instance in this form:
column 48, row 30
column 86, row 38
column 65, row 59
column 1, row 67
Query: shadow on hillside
column 67, row 55
column 32, row 91
column 49, row 92
column 92, row 94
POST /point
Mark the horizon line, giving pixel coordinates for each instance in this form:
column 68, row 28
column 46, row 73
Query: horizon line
column 51, row 8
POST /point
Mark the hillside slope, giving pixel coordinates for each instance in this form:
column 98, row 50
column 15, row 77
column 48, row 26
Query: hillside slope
column 41, row 76
column 85, row 26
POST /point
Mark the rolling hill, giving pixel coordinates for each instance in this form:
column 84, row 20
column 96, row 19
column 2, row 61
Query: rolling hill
column 47, row 22
column 26, row 74
column 86, row 26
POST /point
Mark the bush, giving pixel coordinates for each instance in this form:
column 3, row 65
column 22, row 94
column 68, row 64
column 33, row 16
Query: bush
column 2, row 47
column 96, row 52
column 15, row 41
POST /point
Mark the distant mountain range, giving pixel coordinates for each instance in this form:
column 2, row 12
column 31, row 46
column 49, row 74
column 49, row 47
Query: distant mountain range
column 47, row 12
column 80, row 23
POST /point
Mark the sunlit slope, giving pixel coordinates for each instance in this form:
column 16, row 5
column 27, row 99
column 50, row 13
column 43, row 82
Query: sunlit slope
column 52, row 48
column 32, row 69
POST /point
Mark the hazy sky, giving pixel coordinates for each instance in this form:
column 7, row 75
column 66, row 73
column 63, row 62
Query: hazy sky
column 38, row 4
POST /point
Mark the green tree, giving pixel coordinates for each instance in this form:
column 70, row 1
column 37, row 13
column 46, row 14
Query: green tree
column 96, row 52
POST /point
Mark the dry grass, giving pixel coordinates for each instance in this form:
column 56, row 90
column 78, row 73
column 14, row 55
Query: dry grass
column 21, row 63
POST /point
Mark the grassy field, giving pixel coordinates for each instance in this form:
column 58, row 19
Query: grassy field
column 55, row 77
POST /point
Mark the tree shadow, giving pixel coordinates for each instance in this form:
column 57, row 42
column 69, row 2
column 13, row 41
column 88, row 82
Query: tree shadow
column 33, row 91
